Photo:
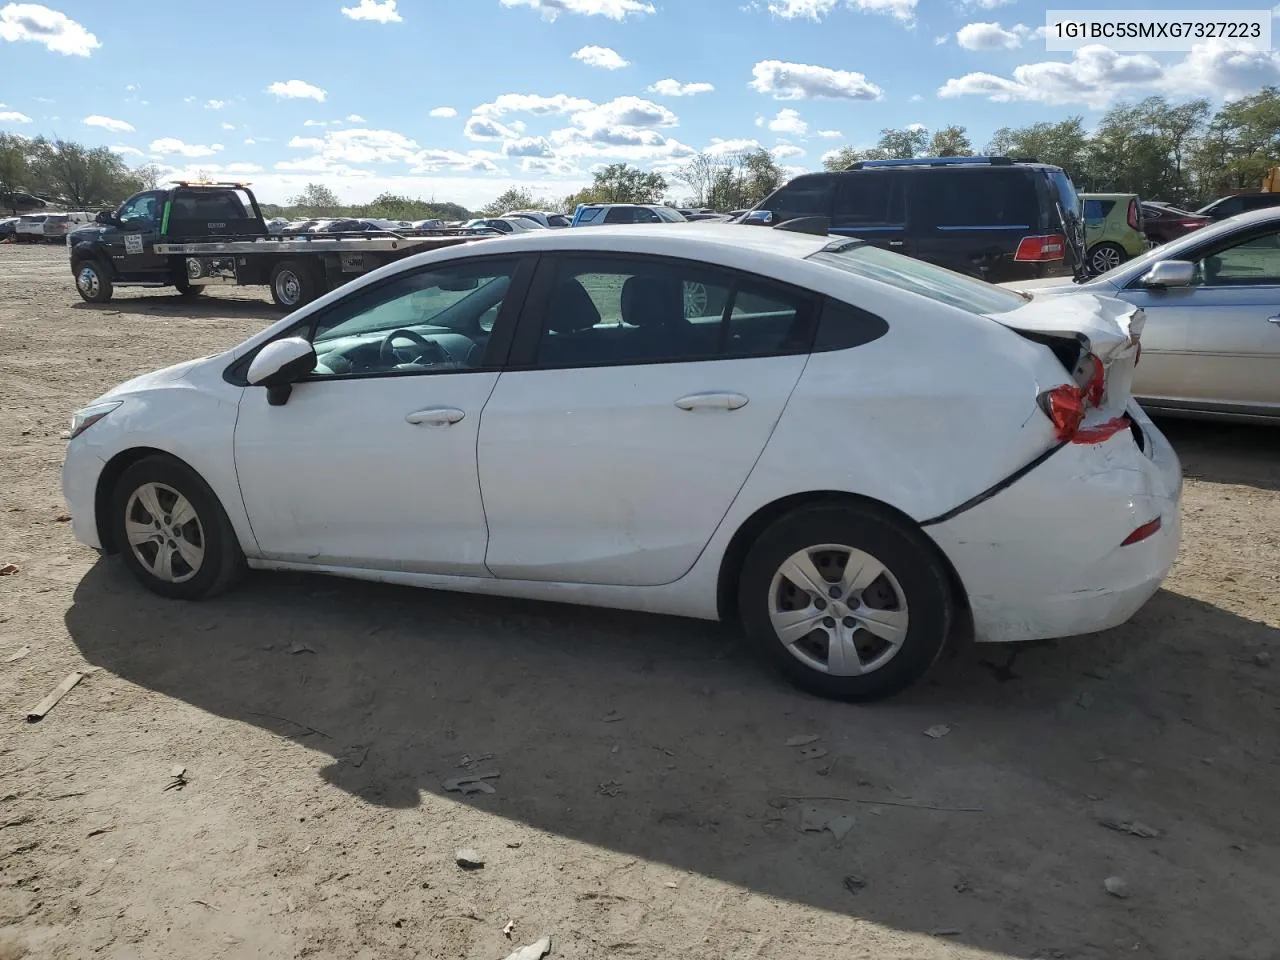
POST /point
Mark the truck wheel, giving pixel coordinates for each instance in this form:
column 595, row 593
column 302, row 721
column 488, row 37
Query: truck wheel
column 92, row 282
column 293, row 283
column 186, row 290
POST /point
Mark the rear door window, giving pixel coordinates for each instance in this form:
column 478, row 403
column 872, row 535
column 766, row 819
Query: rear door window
column 620, row 215
column 869, row 199
column 804, row 197
column 952, row 200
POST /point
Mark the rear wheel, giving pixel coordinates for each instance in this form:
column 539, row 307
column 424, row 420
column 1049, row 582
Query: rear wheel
column 93, row 283
column 293, row 284
column 172, row 533
column 1106, row 256
column 182, row 284
column 849, row 602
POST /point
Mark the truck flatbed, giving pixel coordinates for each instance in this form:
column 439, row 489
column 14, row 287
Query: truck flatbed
column 196, row 235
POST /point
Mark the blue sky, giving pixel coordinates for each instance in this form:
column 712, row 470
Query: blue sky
column 460, row 99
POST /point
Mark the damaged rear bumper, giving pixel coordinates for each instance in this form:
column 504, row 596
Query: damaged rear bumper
column 1044, row 557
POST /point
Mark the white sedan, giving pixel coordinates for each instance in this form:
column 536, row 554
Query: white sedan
column 855, row 455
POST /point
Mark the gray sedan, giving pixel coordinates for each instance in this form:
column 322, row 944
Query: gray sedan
column 1211, row 345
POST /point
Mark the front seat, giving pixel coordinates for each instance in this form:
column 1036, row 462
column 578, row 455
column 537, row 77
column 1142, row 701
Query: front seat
column 655, row 305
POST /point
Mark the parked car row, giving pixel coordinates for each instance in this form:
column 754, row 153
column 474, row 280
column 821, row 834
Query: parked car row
column 43, row 227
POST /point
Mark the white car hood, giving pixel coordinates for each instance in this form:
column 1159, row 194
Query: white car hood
column 1110, row 325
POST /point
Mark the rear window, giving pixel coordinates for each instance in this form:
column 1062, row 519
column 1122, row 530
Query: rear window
column 1066, row 191
column 591, row 215
column 669, row 215
column 957, row 199
column 56, row 218
column 1098, row 209
column 916, row 276
column 209, row 205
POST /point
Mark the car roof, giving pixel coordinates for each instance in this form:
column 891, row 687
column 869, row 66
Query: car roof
column 1108, row 196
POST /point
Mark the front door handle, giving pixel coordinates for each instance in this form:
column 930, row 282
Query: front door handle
column 712, row 401
column 435, row 417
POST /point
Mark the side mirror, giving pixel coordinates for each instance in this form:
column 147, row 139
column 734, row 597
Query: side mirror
column 279, row 364
column 759, row 217
column 106, row 218
column 1169, row 273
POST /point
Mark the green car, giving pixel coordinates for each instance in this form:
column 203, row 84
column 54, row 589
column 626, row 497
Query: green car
column 1112, row 229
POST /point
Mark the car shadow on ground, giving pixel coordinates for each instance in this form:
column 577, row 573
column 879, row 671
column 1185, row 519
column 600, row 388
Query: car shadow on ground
column 1221, row 452
column 664, row 739
column 174, row 305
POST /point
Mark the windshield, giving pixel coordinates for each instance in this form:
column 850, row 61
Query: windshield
column 916, row 276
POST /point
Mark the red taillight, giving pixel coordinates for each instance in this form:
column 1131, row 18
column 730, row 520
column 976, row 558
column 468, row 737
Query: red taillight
column 1101, row 431
column 1052, row 246
column 1142, row 533
column 1064, row 406
column 1135, row 223
column 1097, row 383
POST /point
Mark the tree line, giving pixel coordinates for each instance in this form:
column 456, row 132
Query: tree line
column 82, row 178
column 1183, row 153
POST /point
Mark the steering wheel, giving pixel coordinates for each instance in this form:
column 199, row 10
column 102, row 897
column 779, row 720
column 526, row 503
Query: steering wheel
column 433, row 352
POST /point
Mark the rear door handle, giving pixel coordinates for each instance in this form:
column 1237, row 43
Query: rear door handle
column 435, row 417
column 712, row 401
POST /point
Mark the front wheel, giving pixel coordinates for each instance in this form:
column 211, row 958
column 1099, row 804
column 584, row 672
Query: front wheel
column 186, row 290
column 1106, row 256
column 171, row 532
column 849, row 602
column 92, row 282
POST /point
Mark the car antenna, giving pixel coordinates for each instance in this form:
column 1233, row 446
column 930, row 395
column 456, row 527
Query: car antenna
column 818, row 226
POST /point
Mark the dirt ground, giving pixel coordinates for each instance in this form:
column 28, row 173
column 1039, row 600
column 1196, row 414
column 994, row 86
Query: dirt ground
column 641, row 809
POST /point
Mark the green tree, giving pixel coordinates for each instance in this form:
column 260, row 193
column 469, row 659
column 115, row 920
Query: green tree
column 515, row 198
column 950, row 141
column 15, row 169
column 80, row 176
column 317, row 199
column 903, row 144
column 1062, row 144
column 844, row 157
column 623, row 183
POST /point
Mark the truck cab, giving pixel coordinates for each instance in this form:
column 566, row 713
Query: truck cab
column 119, row 247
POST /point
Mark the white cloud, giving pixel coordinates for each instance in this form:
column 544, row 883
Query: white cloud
column 785, row 150
column 188, row 99
column 38, row 24
column 228, row 126
column 532, row 103
column 354, row 118
column 618, row 142
column 625, row 112
column 941, row 39
column 13, row 116
column 613, row 9
column 674, row 88
column 108, row 123
column 443, row 112
column 1096, row 75
column 915, row 98
column 986, row 4
column 528, row 147
column 297, row 90
column 718, row 147
column 603, row 57
column 486, row 128
column 249, row 142
column 384, row 12
column 126, row 151
column 992, row 36
column 817, row 9
column 242, row 168
column 788, row 121
column 318, row 123
column 831, row 134
column 215, row 104
column 801, row 81
column 171, row 146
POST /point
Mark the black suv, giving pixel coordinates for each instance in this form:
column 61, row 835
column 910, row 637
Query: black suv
column 1225, row 207
column 990, row 217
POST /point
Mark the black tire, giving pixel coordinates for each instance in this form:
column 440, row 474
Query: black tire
column 223, row 560
column 294, row 284
column 1106, row 256
column 93, row 281
column 186, row 290
column 905, row 552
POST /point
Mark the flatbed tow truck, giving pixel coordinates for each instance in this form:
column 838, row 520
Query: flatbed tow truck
column 197, row 234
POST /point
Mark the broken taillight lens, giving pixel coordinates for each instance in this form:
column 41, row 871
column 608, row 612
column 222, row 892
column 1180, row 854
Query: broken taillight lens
column 1097, row 383
column 1051, row 246
column 1064, row 406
